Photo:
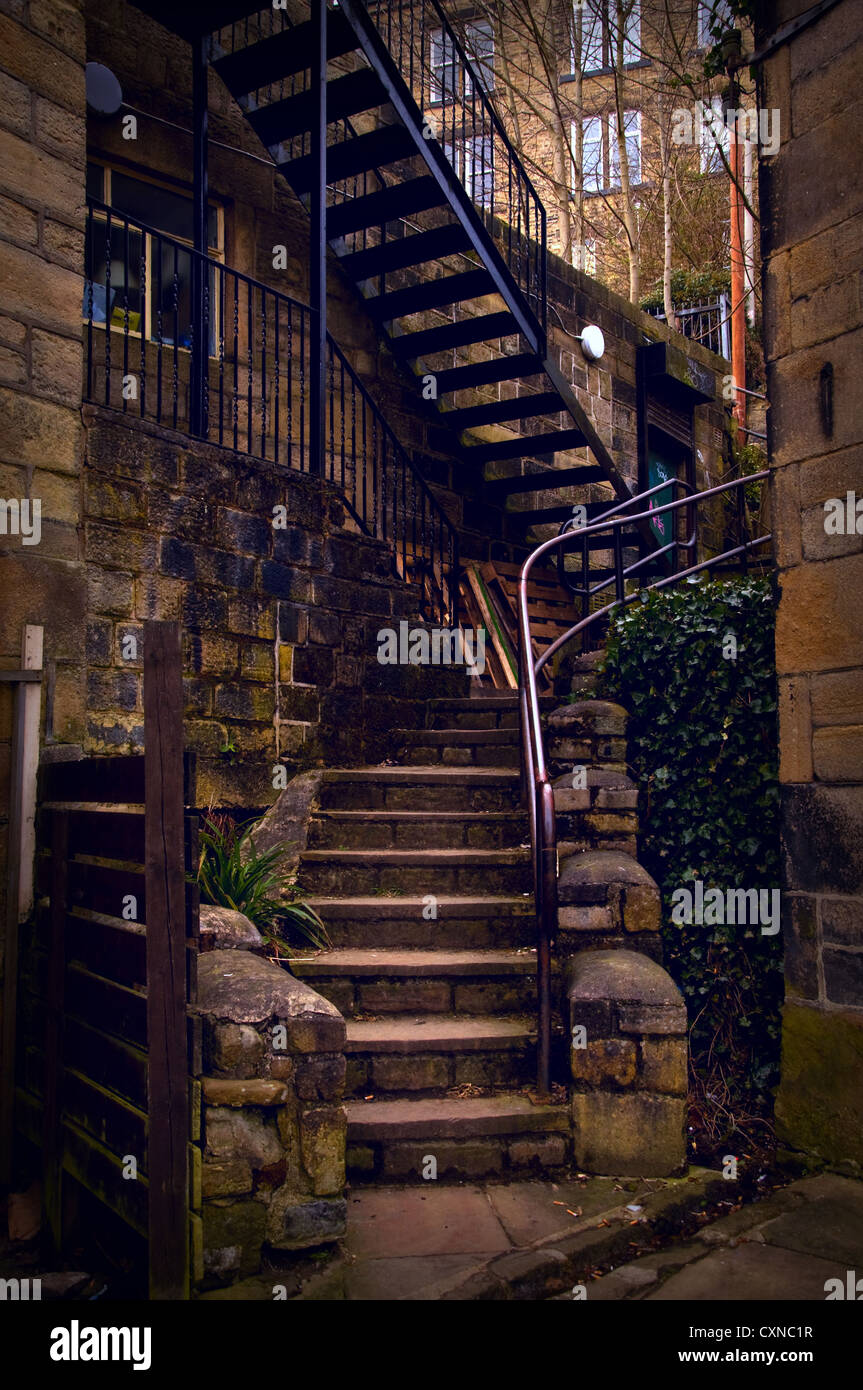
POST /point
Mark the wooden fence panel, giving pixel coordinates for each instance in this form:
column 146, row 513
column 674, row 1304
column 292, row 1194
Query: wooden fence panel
column 112, row 1058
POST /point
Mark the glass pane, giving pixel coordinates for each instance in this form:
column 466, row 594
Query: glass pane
column 168, row 212
column 171, row 294
column 112, row 290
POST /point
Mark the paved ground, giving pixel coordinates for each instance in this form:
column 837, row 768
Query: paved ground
column 616, row 1238
column 523, row 1241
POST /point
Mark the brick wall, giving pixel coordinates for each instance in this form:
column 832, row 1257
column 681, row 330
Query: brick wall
column 812, row 244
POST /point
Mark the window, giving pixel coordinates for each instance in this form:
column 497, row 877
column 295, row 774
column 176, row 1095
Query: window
column 584, row 256
column 632, row 136
column 449, row 77
column 714, row 137
column 596, row 26
column 715, row 13
column 149, row 282
column 473, row 161
column 600, row 162
column 593, row 176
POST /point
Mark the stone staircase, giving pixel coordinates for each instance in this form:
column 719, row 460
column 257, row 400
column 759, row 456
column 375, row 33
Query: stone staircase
column 422, row 874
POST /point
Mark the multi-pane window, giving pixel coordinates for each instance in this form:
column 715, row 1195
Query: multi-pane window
column 148, row 284
column 597, row 27
column 600, row 156
column 712, row 14
column 449, row 77
column 472, row 160
column 714, row 137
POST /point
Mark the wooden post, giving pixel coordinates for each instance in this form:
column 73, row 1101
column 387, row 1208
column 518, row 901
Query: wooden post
column 52, row 1097
column 168, row 1130
column 19, row 881
column 31, row 697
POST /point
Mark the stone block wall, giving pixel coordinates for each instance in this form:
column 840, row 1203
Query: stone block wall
column 812, row 248
column 42, row 156
column 280, row 625
column 628, row 1061
column 274, row 1126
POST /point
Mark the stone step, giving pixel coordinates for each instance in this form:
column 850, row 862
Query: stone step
column 406, row 1055
column 469, row 922
column 468, row 1138
column 421, row 789
column 459, row 747
column 432, row 982
column 417, row 829
column 421, row 871
column 496, row 710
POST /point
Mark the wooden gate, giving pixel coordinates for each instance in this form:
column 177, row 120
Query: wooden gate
column 109, row 1085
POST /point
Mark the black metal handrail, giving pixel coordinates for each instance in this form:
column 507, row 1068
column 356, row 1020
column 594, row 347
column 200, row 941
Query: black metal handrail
column 535, row 776
column 454, row 103
column 235, row 370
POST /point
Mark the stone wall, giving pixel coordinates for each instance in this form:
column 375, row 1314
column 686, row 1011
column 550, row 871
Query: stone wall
column 280, row 625
column 274, row 1127
column 628, row 1065
column 42, row 155
column 812, row 247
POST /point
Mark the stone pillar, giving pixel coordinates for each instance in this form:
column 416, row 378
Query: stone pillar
column 273, row 1172
column 813, row 260
column 628, row 1054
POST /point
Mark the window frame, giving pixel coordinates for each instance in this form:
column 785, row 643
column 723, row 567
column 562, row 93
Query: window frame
column 461, row 86
column 599, row 9
column 216, row 254
column 606, row 122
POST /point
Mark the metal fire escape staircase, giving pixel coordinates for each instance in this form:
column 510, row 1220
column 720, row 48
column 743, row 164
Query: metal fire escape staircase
column 400, row 211
column 435, row 221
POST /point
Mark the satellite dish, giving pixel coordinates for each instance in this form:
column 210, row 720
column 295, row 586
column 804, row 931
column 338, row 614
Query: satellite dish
column 592, row 342
column 104, row 93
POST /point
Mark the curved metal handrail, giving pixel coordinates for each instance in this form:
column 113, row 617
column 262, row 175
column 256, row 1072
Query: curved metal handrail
column 536, row 782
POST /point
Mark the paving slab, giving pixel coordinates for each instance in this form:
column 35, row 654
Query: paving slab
column 408, row 1222
column 831, row 1228
column 409, row 1278
column 751, row 1272
column 531, row 1211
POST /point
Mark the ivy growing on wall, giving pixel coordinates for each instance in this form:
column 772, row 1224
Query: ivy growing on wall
column 694, row 666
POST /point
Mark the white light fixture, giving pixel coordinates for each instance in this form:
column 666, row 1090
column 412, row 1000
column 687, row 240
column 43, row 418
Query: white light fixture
column 592, row 342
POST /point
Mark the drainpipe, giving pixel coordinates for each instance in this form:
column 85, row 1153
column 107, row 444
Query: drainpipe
column 748, row 233
column 738, row 292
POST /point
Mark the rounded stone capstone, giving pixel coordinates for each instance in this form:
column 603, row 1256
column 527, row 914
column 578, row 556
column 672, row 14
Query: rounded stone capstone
column 621, row 976
column 593, row 716
column 225, row 929
column 236, row 987
column 589, row 877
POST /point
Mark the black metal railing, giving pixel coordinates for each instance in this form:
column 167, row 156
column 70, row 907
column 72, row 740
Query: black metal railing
column 449, row 85
column 535, row 775
column 177, row 338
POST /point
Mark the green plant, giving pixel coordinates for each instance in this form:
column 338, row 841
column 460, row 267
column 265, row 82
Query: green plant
column 233, row 873
column 703, row 745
